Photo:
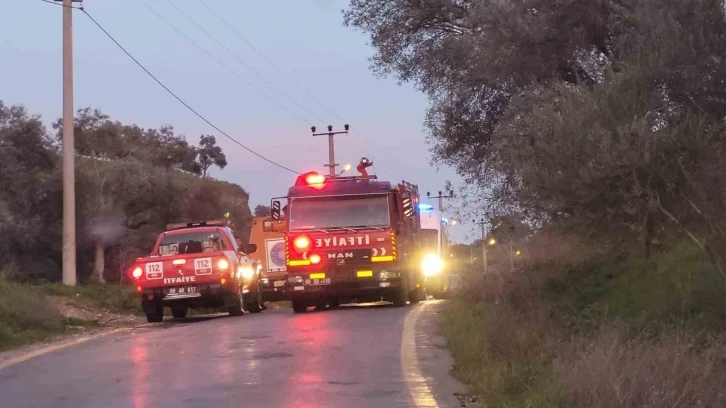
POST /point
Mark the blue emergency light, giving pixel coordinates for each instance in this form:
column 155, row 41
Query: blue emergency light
column 425, row 207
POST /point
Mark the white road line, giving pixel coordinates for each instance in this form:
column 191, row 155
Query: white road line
column 49, row 349
column 418, row 388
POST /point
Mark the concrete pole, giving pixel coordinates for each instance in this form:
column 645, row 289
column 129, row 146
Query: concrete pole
column 484, row 247
column 511, row 257
column 69, row 176
column 331, row 154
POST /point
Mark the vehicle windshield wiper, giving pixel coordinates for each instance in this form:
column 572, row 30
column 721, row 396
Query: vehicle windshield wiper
column 343, row 228
column 366, row 227
column 311, row 229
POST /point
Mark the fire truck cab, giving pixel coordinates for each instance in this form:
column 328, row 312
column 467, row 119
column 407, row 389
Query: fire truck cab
column 350, row 239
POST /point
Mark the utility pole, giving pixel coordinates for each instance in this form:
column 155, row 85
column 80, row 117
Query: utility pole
column 69, row 176
column 331, row 145
column 484, row 244
column 511, row 257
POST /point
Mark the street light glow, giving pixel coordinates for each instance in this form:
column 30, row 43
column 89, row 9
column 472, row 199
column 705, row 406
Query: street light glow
column 492, row 241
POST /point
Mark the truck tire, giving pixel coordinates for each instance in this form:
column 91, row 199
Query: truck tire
column 179, row 312
column 415, row 296
column 254, row 305
column 236, row 309
column 157, row 315
column 399, row 296
column 334, row 303
column 299, row 306
column 321, row 304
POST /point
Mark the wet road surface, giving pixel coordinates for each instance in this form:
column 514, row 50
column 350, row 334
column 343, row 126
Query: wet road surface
column 359, row 356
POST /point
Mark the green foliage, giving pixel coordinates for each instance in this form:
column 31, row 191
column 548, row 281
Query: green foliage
column 27, row 316
column 210, row 154
column 130, row 183
column 503, row 363
column 674, row 289
column 114, row 298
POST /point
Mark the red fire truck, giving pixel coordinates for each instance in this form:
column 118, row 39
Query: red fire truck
column 350, row 239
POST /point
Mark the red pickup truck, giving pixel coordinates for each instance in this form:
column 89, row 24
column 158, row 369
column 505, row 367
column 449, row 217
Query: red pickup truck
column 200, row 264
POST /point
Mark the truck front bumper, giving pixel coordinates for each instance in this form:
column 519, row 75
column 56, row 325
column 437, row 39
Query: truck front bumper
column 273, row 289
column 347, row 288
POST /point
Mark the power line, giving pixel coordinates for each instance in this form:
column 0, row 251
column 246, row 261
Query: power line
column 272, row 63
column 55, row 3
column 180, row 99
column 194, row 43
column 220, row 62
column 238, row 58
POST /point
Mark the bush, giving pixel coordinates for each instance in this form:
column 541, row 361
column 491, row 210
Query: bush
column 26, row 315
column 121, row 299
column 598, row 330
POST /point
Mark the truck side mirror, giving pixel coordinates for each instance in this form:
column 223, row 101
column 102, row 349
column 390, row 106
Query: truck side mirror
column 251, row 248
column 275, row 210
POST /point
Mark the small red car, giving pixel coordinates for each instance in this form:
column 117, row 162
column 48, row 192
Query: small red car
column 200, row 264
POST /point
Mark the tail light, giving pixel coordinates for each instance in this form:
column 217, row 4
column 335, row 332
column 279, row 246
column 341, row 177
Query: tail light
column 223, row 264
column 302, row 243
column 137, row 272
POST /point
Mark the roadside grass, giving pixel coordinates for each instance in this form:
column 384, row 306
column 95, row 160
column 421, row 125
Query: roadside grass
column 607, row 330
column 121, row 299
column 26, row 316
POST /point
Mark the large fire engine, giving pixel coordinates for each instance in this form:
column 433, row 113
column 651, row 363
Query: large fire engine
column 351, row 239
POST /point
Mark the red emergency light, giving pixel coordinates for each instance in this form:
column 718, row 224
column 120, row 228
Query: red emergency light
column 302, row 243
column 312, row 179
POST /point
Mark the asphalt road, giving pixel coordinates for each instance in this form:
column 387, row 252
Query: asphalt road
column 359, row 356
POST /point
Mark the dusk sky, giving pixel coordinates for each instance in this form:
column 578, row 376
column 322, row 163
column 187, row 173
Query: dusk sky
column 305, row 39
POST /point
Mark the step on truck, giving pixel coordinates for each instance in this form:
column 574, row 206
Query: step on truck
column 350, row 239
column 270, row 236
column 199, row 264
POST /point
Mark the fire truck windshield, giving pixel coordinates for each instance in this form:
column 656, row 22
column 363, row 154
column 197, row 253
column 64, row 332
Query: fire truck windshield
column 339, row 212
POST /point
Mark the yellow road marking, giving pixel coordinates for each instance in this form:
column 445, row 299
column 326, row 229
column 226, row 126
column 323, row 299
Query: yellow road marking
column 418, row 388
column 55, row 347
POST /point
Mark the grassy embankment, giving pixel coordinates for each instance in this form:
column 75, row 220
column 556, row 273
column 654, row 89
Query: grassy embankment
column 599, row 331
column 28, row 315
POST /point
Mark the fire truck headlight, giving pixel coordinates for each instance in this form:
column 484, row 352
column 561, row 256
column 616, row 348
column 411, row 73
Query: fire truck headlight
column 295, row 279
column 245, row 271
column 432, row 265
column 385, row 275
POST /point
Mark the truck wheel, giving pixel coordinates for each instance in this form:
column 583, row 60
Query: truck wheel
column 157, row 313
column 415, row 296
column 255, row 303
column 399, row 296
column 299, row 306
column 236, row 309
column 179, row 312
column 321, row 304
column 334, row 303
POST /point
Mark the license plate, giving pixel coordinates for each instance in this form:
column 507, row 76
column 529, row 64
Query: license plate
column 277, row 284
column 317, row 282
column 182, row 291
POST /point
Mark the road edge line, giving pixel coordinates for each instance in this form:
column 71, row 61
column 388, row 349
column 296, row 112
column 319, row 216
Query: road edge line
column 55, row 347
column 418, row 389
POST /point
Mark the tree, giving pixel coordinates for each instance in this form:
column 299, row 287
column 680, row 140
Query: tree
column 209, row 154
column 30, row 197
column 98, row 136
column 262, row 211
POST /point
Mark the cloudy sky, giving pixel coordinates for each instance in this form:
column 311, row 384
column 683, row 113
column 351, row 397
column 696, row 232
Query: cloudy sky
column 227, row 77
